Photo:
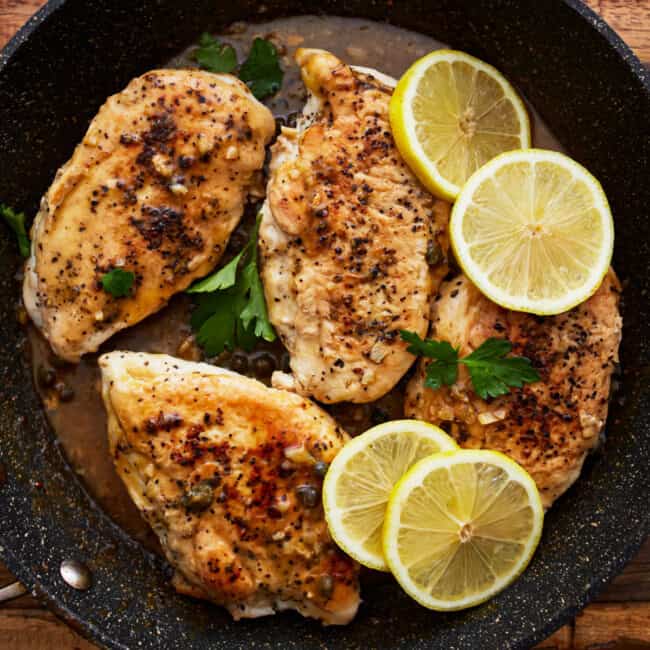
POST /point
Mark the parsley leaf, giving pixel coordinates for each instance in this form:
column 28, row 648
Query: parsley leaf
column 224, row 278
column 231, row 310
column 118, row 282
column 205, row 306
column 215, row 56
column 444, row 367
column 246, row 339
column 261, row 71
column 16, row 221
column 217, row 332
column 491, row 371
column 254, row 311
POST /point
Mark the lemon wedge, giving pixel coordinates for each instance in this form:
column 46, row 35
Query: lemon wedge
column 460, row 527
column 533, row 231
column 361, row 477
column 451, row 113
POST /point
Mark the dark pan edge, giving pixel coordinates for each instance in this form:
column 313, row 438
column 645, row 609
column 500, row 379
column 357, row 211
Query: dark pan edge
column 26, row 30
column 572, row 610
column 48, row 596
column 607, row 32
column 85, row 629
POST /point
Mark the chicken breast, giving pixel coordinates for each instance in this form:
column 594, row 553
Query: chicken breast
column 352, row 246
column 156, row 186
column 548, row 427
column 228, row 474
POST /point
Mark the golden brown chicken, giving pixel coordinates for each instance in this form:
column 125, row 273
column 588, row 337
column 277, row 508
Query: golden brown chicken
column 548, row 427
column 228, row 473
column 352, row 246
column 155, row 188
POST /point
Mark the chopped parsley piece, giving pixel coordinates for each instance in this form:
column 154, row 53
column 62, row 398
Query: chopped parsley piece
column 215, row 56
column 16, row 221
column 261, row 71
column 491, row 371
column 230, row 308
column 118, row 282
column 444, row 367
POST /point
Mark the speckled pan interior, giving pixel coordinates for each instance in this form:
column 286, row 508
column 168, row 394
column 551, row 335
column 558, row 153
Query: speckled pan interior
column 596, row 97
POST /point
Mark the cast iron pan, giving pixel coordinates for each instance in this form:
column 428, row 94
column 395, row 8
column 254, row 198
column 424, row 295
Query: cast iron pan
column 596, row 97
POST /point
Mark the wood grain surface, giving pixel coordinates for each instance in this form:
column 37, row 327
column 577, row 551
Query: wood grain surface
column 619, row 620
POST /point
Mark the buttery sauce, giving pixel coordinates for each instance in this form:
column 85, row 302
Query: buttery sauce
column 71, row 392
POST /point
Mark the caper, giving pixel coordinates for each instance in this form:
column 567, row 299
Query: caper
column 434, row 253
column 46, row 376
column 308, row 495
column 263, row 365
column 64, row 391
column 325, row 586
column 198, row 497
column 239, row 362
column 320, row 468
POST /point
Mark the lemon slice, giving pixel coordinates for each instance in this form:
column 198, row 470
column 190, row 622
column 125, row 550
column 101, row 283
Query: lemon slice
column 533, row 231
column 451, row 113
column 460, row 527
column 361, row 477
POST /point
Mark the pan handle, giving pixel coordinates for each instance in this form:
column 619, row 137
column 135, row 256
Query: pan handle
column 11, row 591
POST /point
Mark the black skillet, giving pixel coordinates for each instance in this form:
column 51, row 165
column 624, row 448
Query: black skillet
column 595, row 96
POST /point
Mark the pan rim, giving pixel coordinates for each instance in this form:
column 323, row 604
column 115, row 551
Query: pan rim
column 21, row 569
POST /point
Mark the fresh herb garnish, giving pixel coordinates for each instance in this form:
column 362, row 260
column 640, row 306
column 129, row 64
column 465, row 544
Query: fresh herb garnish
column 491, row 371
column 230, row 310
column 215, row 56
column 261, row 71
column 118, row 282
column 16, row 221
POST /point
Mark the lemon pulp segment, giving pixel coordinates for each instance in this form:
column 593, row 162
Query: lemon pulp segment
column 361, row 477
column 450, row 114
column 461, row 526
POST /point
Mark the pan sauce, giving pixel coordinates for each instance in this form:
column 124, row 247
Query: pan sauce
column 71, row 392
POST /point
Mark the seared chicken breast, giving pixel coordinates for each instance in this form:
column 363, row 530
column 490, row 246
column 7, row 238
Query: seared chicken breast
column 228, row 474
column 352, row 246
column 548, row 427
column 156, row 186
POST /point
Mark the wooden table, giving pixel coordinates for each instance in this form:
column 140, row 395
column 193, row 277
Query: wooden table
column 618, row 620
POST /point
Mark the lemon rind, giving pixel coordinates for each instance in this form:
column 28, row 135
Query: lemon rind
column 339, row 463
column 402, row 123
column 475, row 273
column 413, row 478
